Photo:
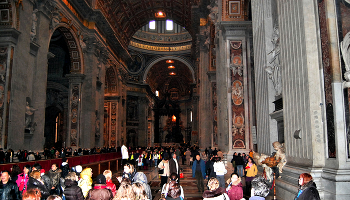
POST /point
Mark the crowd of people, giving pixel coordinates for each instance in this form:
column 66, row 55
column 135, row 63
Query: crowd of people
column 75, row 183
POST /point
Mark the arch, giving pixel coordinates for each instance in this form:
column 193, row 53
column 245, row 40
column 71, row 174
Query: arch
column 74, row 48
column 156, row 60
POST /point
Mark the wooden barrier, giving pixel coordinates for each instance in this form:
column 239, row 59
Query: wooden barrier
column 97, row 162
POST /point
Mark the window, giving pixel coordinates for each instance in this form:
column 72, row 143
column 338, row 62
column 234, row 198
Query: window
column 169, row 25
column 152, row 25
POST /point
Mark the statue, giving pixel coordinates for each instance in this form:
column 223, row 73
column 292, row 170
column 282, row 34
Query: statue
column 280, row 155
column 34, row 26
column 29, row 115
column 272, row 163
column 345, row 51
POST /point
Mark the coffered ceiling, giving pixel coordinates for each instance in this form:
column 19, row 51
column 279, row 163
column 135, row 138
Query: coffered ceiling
column 128, row 16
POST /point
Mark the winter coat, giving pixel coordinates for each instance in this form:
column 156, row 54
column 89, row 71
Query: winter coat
column 22, row 182
column 111, row 186
column 54, row 177
column 100, row 192
column 65, row 169
column 9, row 191
column 308, row 192
column 166, row 169
column 33, row 183
column 219, row 168
column 85, row 185
column 202, row 166
column 251, row 171
column 72, row 190
column 210, row 169
column 47, row 182
column 235, row 190
column 217, row 194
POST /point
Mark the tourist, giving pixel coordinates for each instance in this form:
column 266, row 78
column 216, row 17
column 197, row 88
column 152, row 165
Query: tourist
column 174, row 192
column 234, row 189
column 188, row 157
column 64, row 167
column 215, row 191
column 174, row 166
column 32, row 194
column 35, row 182
column 8, row 189
column 260, row 189
column 55, row 175
column 233, row 161
column 165, row 188
column 155, row 158
column 307, row 188
column 139, row 191
column 140, row 161
column 129, row 172
column 125, row 191
column 251, row 172
column 22, row 179
column 72, row 191
column 15, row 170
column 220, row 170
column 85, row 181
column 164, row 164
column 240, row 165
column 100, row 192
column 125, row 154
column 209, row 166
column 109, row 184
column 198, row 172
column 45, row 178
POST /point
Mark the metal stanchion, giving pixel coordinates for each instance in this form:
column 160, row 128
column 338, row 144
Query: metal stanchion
column 274, row 186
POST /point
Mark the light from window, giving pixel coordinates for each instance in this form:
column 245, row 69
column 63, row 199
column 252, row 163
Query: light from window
column 152, row 25
column 169, row 25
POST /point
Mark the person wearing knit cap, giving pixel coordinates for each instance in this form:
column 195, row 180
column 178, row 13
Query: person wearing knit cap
column 100, row 192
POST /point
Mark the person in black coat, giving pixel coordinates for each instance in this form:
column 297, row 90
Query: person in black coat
column 45, row 178
column 308, row 189
column 65, row 168
column 8, row 189
column 72, row 190
column 36, row 182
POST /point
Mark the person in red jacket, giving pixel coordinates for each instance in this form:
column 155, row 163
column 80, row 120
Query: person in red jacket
column 234, row 189
column 109, row 184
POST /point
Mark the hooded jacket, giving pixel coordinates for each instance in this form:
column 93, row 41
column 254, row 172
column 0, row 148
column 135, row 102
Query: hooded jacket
column 217, row 194
column 72, row 190
column 9, row 191
column 308, row 192
column 235, row 190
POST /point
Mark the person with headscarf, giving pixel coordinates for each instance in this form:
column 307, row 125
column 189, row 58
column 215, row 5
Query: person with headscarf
column 85, row 182
column 100, row 192
column 140, row 177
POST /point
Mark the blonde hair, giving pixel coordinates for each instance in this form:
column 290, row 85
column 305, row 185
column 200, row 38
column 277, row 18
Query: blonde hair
column 86, row 175
column 124, row 192
column 213, row 184
column 139, row 191
column 108, row 174
column 71, row 176
column 35, row 174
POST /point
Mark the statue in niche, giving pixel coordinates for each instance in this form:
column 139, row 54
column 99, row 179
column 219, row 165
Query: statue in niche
column 274, row 163
column 55, row 18
column 34, row 25
column 273, row 70
column 29, row 116
column 345, row 51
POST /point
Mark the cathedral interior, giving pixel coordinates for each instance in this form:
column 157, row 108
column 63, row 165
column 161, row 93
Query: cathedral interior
column 231, row 74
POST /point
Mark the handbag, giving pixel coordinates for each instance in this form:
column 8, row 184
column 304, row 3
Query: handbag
column 161, row 171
